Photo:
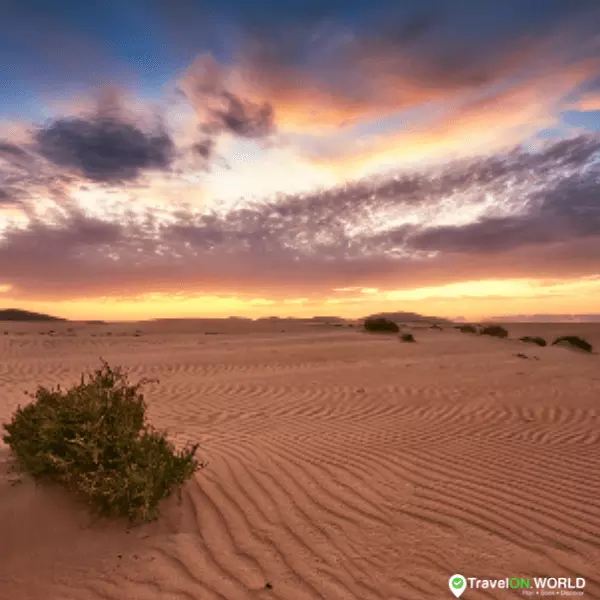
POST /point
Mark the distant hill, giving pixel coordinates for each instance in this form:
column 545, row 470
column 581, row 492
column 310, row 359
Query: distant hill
column 574, row 318
column 313, row 320
column 15, row 314
column 326, row 320
column 409, row 317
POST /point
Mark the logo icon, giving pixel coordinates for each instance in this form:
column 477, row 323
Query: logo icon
column 457, row 584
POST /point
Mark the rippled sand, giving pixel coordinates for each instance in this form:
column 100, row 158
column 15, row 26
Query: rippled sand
column 341, row 465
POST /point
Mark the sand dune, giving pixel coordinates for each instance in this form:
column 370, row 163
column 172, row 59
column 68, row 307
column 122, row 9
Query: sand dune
column 341, row 465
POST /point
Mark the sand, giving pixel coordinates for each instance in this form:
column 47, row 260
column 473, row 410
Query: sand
column 342, row 465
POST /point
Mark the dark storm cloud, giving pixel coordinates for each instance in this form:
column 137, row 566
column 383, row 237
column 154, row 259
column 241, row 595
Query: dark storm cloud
column 332, row 238
column 104, row 149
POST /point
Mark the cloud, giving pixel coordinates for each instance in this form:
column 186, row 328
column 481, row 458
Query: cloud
column 113, row 139
column 446, row 87
column 104, row 149
column 316, row 73
column 9, row 151
column 568, row 208
column 319, row 72
column 243, row 118
column 373, row 233
column 205, row 84
column 6, row 197
column 485, row 122
column 25, row 175
column 589, row 102
column 204, row 148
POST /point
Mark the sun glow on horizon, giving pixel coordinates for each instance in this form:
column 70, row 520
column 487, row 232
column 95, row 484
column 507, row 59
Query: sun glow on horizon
column 471, row 299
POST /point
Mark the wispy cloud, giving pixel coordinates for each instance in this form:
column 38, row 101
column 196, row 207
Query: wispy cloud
column 336, row 238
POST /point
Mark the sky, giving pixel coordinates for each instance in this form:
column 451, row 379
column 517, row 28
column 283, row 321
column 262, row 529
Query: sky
column 178, row 158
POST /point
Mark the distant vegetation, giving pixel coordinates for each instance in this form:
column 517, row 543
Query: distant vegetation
column 94, row 439
column 495, row 331
column 466, row 328
column 381, row 325
column 15, row 314
column 575, row 341
column 534, row 340
column 407, row 337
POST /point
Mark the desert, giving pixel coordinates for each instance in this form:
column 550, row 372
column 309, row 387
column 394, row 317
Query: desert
column 340, row 464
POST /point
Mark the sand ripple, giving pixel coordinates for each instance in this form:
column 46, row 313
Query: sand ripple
column 340, row 467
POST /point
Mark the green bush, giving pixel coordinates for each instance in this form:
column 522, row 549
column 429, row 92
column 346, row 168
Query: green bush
column 574, row 340
column 407, row 337
column 466, row 328
column 379, row 324
column 495, row 331
column 93, row 438
column 534, row 340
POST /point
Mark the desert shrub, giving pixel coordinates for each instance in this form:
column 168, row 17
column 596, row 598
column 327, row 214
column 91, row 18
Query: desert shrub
column 466, row 328
column 94, row 439
column 407, row 337
column 575, row 341
column 495, row 331
column 534, row 340
column 381, row 325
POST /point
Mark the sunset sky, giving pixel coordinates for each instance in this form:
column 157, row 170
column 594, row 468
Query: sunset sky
column 178, row 158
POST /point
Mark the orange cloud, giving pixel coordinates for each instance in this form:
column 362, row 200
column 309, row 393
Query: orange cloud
column 588, row 102
column 489, row 124
column 366, row 80
column 18, row 132
column 376, row 76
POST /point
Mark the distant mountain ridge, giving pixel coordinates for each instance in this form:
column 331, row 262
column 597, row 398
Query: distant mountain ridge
column 573, row 318
column 16, row 314
column 401, row 316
